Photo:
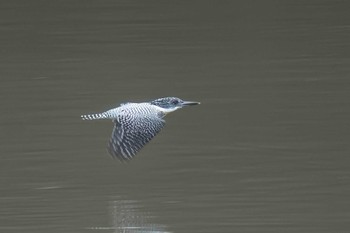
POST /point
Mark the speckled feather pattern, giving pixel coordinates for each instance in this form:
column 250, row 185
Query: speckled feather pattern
column 135, row 124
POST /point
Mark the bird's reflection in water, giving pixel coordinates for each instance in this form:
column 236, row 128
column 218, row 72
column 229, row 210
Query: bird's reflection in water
column 126, row 217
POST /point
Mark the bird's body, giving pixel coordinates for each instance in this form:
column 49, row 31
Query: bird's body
column 132, row 109
column 136, row 124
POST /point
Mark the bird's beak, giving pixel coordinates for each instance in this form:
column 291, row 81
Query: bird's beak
column 189, row 103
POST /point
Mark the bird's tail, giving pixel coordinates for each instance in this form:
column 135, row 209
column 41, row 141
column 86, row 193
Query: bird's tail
column 95, row 116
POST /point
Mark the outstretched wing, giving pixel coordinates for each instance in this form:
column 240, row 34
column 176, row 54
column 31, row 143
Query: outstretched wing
column 131, row 133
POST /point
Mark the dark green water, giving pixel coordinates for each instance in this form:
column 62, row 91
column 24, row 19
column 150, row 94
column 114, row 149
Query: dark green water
column 266, row 151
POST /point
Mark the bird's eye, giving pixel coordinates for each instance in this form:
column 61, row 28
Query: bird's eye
column 175, row 102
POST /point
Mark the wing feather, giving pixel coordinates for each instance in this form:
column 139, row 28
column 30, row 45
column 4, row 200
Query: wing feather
column 130, row 134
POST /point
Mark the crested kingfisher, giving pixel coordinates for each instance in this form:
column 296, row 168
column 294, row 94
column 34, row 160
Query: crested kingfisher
column 135, row 124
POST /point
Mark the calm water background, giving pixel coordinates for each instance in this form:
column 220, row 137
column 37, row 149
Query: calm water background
column 267, row 151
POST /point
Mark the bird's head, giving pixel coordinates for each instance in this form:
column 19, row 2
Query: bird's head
column 170, row 104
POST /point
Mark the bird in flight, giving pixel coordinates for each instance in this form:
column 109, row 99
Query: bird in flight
column 135, row 124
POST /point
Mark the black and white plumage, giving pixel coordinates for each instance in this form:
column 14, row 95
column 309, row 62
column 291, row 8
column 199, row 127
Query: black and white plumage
column 135, row 124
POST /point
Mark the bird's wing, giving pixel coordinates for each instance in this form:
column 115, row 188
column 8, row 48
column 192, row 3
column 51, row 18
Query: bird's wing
column 131, row 133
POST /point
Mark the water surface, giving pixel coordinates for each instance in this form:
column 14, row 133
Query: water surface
column 266, row 151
